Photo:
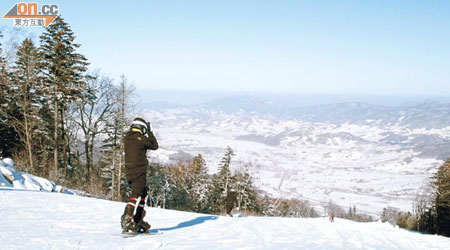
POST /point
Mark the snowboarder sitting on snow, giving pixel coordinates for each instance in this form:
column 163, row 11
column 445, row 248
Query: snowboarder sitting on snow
column 138, row 140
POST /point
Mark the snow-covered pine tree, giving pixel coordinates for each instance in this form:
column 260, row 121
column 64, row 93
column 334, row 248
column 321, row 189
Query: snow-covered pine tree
column 64, row 70
column 161, row 186
column 177, row 195
column 221, row 183
column 267, row 206
column 246, row 195
column 442, row 204
column 199, row 183
column 110, row 152
column 26, row 86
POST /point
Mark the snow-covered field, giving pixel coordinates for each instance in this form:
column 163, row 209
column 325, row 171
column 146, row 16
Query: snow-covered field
column 43, row 220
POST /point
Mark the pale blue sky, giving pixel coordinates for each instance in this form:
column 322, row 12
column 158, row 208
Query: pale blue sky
column 327, row 47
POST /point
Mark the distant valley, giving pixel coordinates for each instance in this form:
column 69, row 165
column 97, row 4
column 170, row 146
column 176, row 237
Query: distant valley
column 354, row 154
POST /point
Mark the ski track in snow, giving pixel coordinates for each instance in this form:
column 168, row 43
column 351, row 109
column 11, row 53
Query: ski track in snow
column 42, row 220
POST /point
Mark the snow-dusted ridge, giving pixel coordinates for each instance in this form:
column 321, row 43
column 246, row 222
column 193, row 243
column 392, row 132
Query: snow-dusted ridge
column 45, row 220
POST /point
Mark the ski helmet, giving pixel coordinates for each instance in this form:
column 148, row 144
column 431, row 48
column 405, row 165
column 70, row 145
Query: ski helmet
column 140, row 124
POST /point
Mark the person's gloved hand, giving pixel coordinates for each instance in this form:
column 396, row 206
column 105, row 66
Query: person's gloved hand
column 149, row 128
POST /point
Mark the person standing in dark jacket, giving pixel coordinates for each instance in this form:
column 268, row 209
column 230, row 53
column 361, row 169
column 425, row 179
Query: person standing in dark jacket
column 138, row 140
column 230, row 200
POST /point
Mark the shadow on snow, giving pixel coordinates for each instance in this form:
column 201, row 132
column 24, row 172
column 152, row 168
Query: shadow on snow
column 193, row 222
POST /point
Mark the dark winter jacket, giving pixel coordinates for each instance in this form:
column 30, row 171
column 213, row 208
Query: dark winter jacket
column 136, row 146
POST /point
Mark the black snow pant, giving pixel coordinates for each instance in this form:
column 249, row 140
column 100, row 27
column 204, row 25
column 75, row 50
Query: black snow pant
column 138, row 186
column 138, row 189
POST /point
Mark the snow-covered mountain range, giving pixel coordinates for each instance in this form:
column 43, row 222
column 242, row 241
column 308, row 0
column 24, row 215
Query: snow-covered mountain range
column 371, row 156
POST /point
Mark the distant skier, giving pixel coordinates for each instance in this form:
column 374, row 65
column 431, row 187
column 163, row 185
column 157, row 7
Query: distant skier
column 229, row 202
column 138, row 140
column 331, row 217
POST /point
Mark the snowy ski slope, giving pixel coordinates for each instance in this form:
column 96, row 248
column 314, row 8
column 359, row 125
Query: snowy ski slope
column 49, row 220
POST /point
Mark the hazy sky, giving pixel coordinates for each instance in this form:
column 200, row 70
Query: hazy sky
column 328, row 47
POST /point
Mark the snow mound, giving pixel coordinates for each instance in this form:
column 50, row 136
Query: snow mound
column 7, row 162
column 13, row 179
column 43, row 220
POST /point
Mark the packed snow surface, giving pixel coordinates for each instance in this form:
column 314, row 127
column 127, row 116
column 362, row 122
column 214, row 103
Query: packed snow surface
column 49, row 220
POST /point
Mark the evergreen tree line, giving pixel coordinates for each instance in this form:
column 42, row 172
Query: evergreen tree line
column 431, row 212
column 54, row 112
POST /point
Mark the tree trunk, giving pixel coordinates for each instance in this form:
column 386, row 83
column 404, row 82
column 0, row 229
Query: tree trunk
column 69, row 153
column 113, row 172
column 88, row 159
column 27, row 126
column 226, row 185
column 28, row 139
column 91, row 153
column 119, row 178
column 55, row 137
column 63, row 136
